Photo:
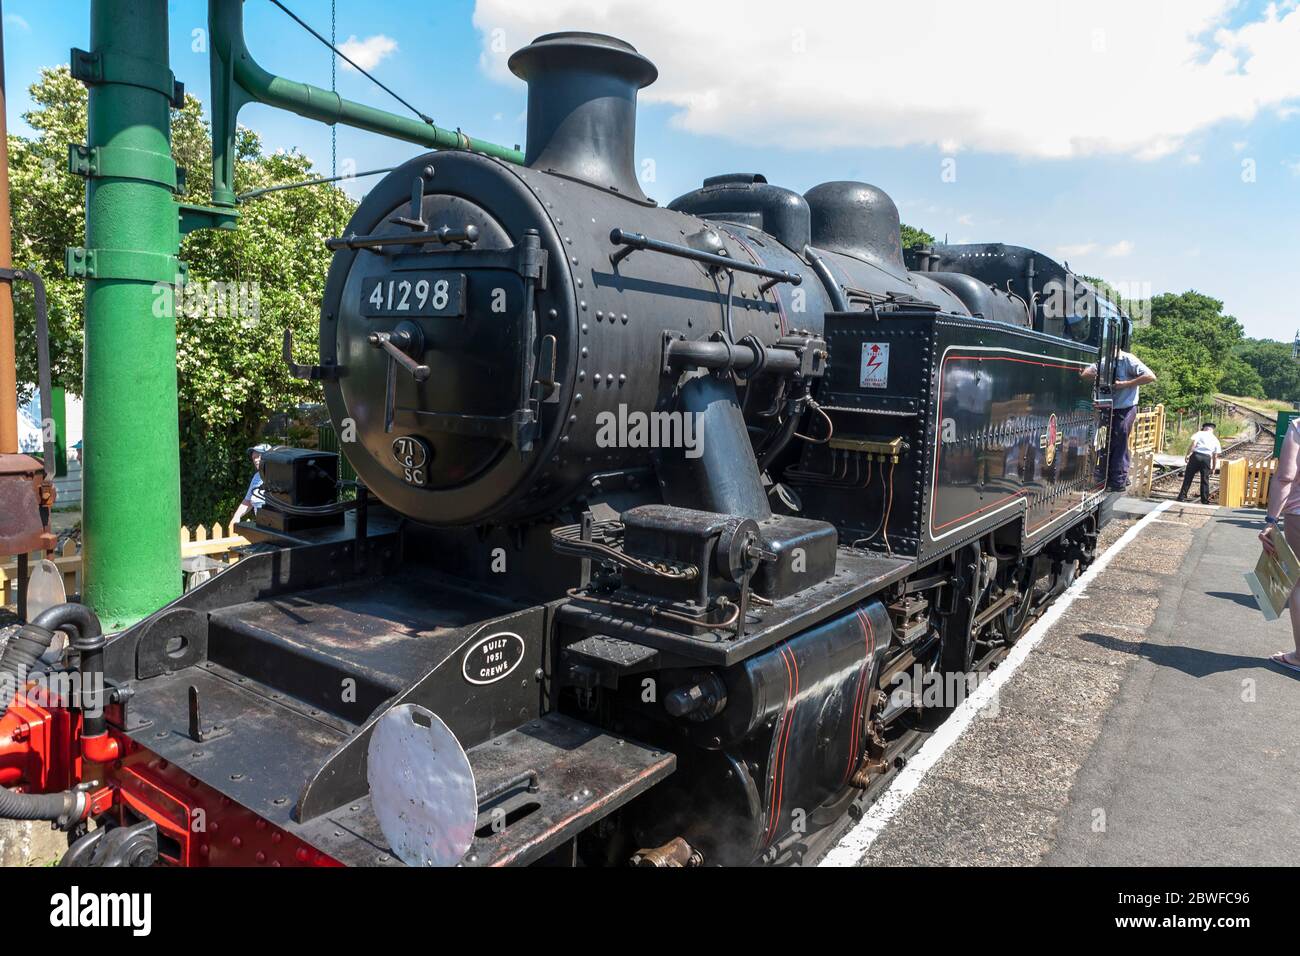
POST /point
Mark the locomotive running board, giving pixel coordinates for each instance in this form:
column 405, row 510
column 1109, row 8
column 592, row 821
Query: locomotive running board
column 539, row 786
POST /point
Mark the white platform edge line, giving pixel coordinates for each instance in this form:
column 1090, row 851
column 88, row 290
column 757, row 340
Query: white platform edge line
column 855, row 844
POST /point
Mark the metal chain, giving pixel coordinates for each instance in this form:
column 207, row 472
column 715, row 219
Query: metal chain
column 334, row 87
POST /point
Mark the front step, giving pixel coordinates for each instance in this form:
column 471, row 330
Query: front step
column 545, row 782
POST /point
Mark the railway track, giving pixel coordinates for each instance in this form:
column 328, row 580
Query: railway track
column 1253, row 447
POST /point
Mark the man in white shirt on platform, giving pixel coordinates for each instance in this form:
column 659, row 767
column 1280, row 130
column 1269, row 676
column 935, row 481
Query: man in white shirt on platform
column 1202, row 459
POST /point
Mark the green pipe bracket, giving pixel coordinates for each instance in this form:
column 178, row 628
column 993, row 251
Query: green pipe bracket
column 122, row 162
column 195, row 217
column 92, row 68
column 131, row 264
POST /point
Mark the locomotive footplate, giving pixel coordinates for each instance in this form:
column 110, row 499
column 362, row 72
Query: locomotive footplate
column 539, row 785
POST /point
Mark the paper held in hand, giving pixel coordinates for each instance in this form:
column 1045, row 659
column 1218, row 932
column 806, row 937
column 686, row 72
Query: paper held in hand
column 1274, row 577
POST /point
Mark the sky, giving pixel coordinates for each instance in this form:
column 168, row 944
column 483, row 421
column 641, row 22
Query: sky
column 1155, row 143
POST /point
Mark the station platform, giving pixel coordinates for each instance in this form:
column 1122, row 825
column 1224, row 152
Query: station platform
column 1144, row 726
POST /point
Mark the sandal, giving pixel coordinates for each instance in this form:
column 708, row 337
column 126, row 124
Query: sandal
column 1280, row 658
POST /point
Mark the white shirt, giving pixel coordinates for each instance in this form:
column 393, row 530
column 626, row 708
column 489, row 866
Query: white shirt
column 1204, row 442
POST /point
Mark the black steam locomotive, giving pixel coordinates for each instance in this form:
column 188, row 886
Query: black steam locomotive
column 660, row 513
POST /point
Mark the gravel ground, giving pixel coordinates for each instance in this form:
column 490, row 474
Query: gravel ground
column 998, row 795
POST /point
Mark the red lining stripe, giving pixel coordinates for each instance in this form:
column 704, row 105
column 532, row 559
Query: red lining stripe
column 792, row 704
column 779, row 750
column 869, row 641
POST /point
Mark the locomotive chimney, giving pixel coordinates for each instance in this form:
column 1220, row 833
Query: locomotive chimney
column 582, row 107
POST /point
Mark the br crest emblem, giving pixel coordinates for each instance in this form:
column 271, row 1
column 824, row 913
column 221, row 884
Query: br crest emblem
column 1050, row 439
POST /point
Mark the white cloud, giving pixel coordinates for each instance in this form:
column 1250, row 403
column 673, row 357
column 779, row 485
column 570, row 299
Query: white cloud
column 1293, row 166
column 370, row 52
column 1080, row 249
column 17, row 22
column 1045, row 80
column 1117, row 250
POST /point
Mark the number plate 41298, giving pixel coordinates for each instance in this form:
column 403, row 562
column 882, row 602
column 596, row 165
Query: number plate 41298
column 425, row 294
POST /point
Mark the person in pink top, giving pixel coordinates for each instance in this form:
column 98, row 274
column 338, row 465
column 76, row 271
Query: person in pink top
column 1284, row 503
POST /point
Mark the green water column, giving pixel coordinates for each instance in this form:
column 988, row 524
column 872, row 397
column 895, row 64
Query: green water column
column 131, row 471
column 59, row 412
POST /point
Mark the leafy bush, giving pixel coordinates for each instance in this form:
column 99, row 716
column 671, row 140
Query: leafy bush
column 271, row 269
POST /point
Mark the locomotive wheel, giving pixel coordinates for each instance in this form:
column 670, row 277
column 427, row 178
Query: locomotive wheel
column 1064, row 577
column 958, row 649
column 1017, row 617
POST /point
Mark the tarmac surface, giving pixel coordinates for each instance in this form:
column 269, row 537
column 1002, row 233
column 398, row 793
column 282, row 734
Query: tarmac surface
column 1147, row 728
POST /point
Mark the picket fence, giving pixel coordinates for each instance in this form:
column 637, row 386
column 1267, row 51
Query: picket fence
column 216, row 542
column 1245, row 484
column 1144, row 442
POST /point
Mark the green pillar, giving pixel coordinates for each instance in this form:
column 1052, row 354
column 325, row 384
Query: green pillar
column 131, row 476
column 59, row 412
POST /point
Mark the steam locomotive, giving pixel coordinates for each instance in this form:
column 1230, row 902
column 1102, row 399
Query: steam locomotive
column 662, row 515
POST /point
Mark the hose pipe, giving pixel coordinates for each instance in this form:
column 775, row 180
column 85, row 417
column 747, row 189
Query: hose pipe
column 33, row 639
column 20, row 656
column 64, row 808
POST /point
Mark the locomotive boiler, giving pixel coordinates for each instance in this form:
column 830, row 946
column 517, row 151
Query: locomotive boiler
column 661, row 513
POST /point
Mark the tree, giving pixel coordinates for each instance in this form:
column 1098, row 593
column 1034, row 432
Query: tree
column 913, row 237
column 48, row 207
column 1278, row 372
column 245, row 285
column 1105, row 288
column 1241, row 379
column 1188, row 344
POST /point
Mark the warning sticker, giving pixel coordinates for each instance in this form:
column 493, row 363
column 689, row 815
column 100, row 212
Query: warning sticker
column 875, row 365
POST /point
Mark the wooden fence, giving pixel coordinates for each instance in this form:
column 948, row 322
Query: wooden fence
column 1245, row 484
column 216, row 542
column 1145, row 442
